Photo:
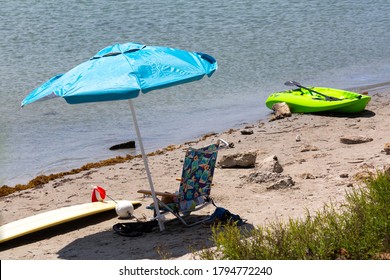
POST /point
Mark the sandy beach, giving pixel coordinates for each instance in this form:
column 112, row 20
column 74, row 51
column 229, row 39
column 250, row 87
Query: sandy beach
column 307, row 147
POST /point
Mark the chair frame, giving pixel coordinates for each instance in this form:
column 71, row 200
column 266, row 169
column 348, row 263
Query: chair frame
column 181, row 214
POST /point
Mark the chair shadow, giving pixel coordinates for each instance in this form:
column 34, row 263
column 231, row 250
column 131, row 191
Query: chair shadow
column 175, row 242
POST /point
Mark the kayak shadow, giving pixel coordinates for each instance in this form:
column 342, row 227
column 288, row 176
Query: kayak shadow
column 362, row 114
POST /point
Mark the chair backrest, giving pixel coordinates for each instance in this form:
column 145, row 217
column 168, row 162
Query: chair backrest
column 197, row 175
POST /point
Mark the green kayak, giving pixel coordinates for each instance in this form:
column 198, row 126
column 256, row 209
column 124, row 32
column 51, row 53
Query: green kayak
column 320, row 99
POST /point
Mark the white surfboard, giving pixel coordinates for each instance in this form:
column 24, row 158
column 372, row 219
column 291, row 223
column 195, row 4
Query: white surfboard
column 55, row 217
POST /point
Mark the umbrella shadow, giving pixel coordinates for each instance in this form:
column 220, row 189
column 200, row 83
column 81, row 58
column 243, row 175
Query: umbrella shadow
column 57, row 230
column 175, row 242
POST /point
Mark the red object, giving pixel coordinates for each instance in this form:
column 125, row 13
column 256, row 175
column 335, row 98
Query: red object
column 98, row 194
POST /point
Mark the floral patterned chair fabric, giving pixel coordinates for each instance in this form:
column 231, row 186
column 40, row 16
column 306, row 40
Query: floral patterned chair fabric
column 197, row 175
column 195, row 183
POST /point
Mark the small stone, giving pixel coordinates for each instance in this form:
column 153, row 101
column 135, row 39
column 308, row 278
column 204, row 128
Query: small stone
column 307, row 176
column 387, row 148
column 308, row 148
column 246, row 131
column 355, row 139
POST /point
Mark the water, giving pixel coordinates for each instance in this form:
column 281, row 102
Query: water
column 258, row 45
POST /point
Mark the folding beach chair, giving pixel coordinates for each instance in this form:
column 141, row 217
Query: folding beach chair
column 195, row 184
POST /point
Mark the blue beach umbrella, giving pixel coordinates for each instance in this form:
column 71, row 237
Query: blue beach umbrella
column 122, row 72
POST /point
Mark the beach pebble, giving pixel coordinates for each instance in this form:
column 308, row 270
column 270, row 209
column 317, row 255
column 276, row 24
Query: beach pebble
column 307, row 148
column 247, row 131
column 307, row 176
column 387, row 148
column 355, row 139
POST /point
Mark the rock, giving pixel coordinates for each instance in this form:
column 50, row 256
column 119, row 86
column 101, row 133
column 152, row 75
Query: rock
column 298, row 138
column 307, row 176
column 355, row 139
column 239, row 160
column 282, row 184
column 127, row 145
column 271, row 164
column 277, row 180
column 246, row 131
column 387, row 148
column 281, row 110
column 307, row 148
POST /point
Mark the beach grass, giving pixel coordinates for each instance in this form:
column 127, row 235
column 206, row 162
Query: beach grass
column 359, row 229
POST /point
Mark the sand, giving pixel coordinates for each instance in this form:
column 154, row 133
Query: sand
column 320, row 165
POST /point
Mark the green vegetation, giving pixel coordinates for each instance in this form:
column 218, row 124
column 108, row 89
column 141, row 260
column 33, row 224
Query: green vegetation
column 357, row 230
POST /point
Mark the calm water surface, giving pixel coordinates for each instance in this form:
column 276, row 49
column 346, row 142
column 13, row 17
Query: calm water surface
column 258, row 45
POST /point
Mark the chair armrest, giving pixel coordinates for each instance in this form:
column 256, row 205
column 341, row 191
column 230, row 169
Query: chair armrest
column 166, row 194
column 222, row 143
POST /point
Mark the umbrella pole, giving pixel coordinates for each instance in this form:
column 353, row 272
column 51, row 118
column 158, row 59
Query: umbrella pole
column 145, row 159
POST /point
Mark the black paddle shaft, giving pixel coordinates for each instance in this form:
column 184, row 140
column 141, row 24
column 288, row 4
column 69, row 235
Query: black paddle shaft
column 327, row 98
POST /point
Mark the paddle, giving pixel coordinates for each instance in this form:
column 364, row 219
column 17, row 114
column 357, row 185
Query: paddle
column 327, row 98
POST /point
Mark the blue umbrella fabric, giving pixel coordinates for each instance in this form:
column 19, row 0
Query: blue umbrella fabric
column 123, row 71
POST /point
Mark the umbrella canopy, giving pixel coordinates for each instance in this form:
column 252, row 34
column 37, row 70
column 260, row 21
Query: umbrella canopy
column 123, row 71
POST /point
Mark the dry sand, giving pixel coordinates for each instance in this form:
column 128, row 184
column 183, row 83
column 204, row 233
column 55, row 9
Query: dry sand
column 322, row 173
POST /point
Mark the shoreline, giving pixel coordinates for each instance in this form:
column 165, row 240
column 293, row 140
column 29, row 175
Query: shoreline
column 320, row 165
column 45, row 178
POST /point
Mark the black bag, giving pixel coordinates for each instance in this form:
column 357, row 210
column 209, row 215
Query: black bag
column 223, row 216
column 134, row 229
